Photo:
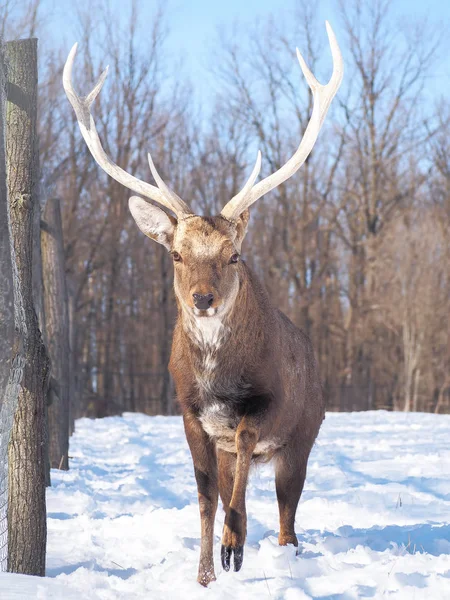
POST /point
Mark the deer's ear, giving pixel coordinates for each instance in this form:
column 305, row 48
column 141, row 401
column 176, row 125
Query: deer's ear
column 241, row 226
column 153, row 221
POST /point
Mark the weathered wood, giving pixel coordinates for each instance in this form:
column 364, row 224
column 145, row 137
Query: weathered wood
column 11, row 358
column 27, row 529
column 6, row 280
column 56, row 333
column 38, row 285
column 73, row 387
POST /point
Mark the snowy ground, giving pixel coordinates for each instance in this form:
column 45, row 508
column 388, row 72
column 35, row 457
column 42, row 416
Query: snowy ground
column 373, row 522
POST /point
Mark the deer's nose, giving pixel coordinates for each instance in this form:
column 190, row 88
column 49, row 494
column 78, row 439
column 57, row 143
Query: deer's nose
column 203, row 301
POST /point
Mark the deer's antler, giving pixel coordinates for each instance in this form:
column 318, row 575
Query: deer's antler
column 162, row 194
column 322, row 96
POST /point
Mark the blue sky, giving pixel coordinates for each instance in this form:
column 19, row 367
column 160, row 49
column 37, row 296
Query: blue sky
column 194, row 22
column 194, row 28
column 194, row 25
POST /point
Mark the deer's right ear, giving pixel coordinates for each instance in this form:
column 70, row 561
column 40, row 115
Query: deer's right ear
column 154, row 222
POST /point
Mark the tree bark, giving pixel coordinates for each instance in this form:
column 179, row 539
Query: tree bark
column 56, row 334
column 73, row 387
column 27, row 528
column 11, row 356
column 166, row 407
column 7, row 335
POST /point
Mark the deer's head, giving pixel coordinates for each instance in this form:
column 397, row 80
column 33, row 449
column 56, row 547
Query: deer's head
column 205, row 253
column 205, row 250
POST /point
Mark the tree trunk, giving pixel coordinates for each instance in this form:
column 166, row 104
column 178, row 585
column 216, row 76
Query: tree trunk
column 38, row 285
column 166, row 407
column 27, row 528
column 11, row 356
column 56, row 334
column 7, row 335
column 73, row 387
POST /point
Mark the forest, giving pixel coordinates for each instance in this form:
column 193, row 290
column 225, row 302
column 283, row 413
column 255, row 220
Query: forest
column 355, row 248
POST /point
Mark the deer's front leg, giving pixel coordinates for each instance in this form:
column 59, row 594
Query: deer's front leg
column 235, row 528
column 205, row 468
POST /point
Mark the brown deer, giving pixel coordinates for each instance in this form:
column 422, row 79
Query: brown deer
column 246, row 378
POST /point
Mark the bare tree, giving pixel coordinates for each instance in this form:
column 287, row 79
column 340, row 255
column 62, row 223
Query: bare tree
column 320, row 249
column 56, row 310
column 11, row 351
column 27, row 530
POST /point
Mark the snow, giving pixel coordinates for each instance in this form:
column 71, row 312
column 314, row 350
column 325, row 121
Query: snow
column 373, row 522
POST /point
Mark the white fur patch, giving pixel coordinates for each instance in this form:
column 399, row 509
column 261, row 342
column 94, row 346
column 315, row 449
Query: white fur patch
column 266, row 446
column 208, row 331
column 217, row 421
column 202, row 248
column 220, row 424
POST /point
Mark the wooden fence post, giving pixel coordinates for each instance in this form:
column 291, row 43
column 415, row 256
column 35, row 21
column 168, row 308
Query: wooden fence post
column 11, row 355
column 27, row 527
column 56, row 333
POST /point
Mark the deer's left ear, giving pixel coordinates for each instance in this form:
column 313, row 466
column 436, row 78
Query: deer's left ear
column 154, row 222
column 241, row 226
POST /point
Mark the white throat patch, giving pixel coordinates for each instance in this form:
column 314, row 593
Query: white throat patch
column 207, row 332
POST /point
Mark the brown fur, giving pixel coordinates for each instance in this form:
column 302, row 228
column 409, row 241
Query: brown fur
column 245, row 376
column 259, row 398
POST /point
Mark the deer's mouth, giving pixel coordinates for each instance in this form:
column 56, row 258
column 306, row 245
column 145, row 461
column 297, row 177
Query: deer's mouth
column 208, row 312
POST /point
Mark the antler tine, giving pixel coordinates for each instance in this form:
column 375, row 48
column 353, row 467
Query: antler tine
column 162, row 194
column 249, row 184
column 322, row 96
column 162, row 185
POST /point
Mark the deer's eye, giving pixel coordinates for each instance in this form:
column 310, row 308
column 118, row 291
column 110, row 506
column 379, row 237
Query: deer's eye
column 176, row 257
column 234, row 258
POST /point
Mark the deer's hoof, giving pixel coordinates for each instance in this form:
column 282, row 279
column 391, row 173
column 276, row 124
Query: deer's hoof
column 238, row 557
column 205, row 578
column 285, row 539
column 226, row 553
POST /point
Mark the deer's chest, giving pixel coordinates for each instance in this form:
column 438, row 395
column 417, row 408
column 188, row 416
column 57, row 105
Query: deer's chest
column 220, row 421
column 223, row 406
column 224, row 397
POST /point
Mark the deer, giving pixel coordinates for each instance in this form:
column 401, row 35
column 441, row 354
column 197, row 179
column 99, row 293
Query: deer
column 246, row 378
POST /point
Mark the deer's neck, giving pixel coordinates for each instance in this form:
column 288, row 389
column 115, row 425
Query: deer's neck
column 222, row 356
column 208, row 333
column 232, row 336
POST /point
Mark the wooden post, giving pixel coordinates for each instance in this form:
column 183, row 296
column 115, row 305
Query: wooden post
column 56, row 333
column 6, row 281
column 27, row 527
column 73, row 387
column 11, row 356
